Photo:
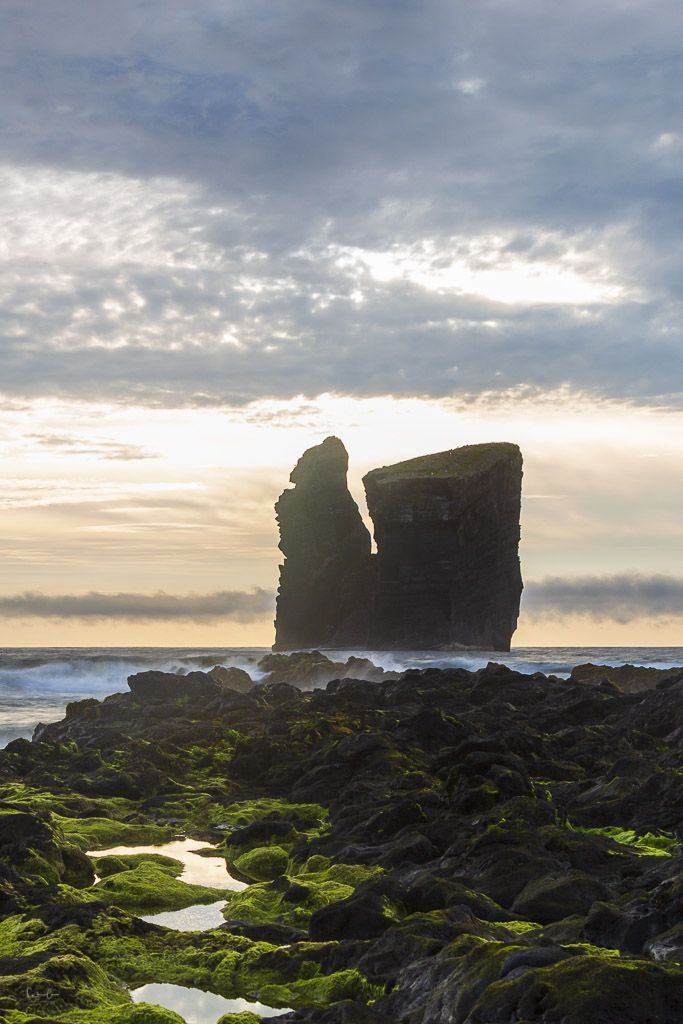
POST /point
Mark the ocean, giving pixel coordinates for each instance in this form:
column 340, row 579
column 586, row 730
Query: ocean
column 36, row 684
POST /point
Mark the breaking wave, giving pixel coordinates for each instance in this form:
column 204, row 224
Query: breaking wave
column 37, row 684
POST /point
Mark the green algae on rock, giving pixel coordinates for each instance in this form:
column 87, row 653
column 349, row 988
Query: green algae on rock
column 149, row 886
column 446, row 847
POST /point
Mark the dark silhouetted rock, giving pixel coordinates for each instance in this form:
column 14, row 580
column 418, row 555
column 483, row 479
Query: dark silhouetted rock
column 628, row 678
column 446, row 572
column 157, row 686
column 324, row 579
column 308, row 669
column 232, row 678
column 447, row 532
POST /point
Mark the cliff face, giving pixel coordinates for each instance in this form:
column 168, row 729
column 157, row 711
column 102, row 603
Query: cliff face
column 446, row 570
column 323, row 591
column 447, row 532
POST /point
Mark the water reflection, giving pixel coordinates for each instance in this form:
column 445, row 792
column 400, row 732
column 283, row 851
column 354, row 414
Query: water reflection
column 208, row 871
column 198, row 1007
column 198, row 918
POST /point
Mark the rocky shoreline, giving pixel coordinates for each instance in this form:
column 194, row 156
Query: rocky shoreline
column 430, row 847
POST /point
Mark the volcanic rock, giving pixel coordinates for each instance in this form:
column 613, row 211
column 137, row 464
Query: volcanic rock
column 154, row 686
column 232, row 678
column 628, row 678
column 447, row 532
column 323, row 591
column 446, row 572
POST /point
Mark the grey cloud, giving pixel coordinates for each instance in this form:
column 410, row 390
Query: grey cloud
column 619, row 598
column 235, row 605
column 368, row 142
column 108, row 450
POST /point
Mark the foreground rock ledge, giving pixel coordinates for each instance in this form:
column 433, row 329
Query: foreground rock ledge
column 446, row 572
column 444, row 847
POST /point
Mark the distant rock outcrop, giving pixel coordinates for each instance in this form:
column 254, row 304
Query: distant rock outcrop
column 323, row 593
column 446, row 572
column 627, row 678
column 447, row 533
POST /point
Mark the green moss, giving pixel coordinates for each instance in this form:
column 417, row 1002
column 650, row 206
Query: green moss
column 110, row 865
column 265, row 902
column 263, row 864
column 647, row 844
column 309, row 816
column 246, row 1017
column 149, row 886
column 101, row 833
column 586, row 988
column 132, row 1013
column 60, row 984
column 517, row 927
column 588, row 949
column 292, row 899
column 321, row 991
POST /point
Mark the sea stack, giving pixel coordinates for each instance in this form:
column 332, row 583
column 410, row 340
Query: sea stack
column 322, row 598
column 446, row 572
column 447, row 533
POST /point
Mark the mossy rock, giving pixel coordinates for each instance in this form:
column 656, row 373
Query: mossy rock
column 293, row 899
column 263, row 864
column 149, row 886
column 59, row 984
column 137, row 1013
column 592, row 989
column 102, row 833
column 246, row 1017
column 307, row 818
column 111, row 865
column 646, row 844
column 321, row 991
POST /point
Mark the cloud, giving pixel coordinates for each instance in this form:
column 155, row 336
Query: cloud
column 102, row 449
column 620, row 598
column 179, row 186
column 234, row 605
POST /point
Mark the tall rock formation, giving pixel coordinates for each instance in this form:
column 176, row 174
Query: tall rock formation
column 446, row 570
column 323, row 594
column 447, row 533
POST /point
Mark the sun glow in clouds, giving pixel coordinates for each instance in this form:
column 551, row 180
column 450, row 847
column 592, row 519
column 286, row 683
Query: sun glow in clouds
column 182, row 500
column 553, row 272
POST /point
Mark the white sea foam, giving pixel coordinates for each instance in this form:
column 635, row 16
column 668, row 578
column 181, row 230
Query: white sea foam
column 37, row 684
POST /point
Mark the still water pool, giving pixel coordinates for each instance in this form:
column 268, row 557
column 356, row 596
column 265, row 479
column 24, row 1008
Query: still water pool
column 197, row 870
column 198, row 1007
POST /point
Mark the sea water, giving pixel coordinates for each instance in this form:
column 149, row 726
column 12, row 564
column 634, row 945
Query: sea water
column 36, row 684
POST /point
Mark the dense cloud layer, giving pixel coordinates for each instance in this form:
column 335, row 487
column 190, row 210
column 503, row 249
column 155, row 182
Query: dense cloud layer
column 620, row 598
column 213, row 203
column 236, row 606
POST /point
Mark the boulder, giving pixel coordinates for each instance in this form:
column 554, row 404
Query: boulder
column 162, row 686
column 358, row 917
column 553, row 897
column 627, row 678
column 231, row 678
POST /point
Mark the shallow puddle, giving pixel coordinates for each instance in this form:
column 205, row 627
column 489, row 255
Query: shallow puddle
column 198, row 1007
column 197, row 918
column 208, row 871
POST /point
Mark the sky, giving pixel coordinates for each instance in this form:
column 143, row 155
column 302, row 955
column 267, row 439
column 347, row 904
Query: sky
column 229, row 229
